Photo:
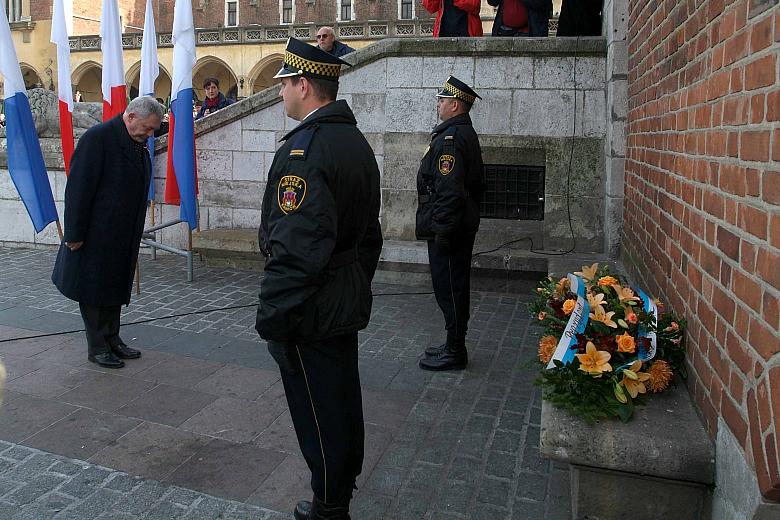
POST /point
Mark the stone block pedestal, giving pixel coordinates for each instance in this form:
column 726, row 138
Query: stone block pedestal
column 661, row 464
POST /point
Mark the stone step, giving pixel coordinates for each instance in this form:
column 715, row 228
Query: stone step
column 402, row 262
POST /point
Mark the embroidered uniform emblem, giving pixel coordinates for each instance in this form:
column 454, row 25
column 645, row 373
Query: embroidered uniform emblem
column 291, row 192
column 446, row 163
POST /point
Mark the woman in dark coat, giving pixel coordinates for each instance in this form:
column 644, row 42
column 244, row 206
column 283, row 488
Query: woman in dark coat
column 105, row 210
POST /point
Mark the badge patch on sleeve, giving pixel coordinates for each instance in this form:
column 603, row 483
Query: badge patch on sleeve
column 291, row 192
column 446, row 164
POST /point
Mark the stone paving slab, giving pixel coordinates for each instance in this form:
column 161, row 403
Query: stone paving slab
column 37, row 485
column 438, row 445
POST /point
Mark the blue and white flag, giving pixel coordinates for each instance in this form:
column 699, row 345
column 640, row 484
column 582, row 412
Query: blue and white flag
column 150, row 69
column 576, row 325
column 25, row 160
column 181, row 179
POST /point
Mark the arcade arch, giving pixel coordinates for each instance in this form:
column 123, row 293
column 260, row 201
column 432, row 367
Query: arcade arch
column 261, row 75
column 86, row 80
column 30, row 76
column 162, row 85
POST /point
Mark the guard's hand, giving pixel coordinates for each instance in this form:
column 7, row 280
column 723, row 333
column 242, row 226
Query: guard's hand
column 443, row 243
column 282, row 354
column 74, row 246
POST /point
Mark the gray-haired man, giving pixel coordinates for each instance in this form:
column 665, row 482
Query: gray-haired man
column 105, row 210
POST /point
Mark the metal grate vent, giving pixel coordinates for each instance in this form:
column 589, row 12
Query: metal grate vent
column 513, row 192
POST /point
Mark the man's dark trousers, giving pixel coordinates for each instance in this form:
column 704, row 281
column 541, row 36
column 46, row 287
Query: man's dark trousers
column 327, row 410
column 102, row 326
column 451, row 279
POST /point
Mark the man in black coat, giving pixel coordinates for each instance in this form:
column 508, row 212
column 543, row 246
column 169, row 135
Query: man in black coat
column 449, row 187
column 105, row 210
column 321, row 234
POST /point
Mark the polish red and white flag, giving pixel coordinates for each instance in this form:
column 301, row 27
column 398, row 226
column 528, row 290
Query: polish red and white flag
column 114, row 88
column 59, row 37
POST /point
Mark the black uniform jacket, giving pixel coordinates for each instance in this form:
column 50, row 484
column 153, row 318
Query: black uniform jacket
column 450, row 181
column 105, row 207
column 320, row 224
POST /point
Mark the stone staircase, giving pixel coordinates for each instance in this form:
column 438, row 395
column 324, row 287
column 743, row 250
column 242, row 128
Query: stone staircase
column 404, row 262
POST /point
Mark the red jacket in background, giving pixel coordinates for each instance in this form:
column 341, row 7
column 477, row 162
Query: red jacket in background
column 471, row 7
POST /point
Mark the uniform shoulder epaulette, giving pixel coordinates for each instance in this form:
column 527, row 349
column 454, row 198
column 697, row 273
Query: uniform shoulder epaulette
column 301, row 142
column 449, row 136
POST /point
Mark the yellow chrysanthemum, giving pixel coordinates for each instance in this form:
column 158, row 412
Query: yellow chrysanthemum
column 634, row 380
column 547, row 346
column 568, row 306
column 594, row 362
column 626, row 343
column 661, row 375
column 607, row 281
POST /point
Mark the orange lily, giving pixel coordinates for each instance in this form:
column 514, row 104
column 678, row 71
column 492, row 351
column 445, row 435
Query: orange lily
column 634, row 380
column 594, row 362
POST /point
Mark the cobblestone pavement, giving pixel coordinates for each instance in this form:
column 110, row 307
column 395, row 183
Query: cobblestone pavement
column 204, row 410
column 36, row 485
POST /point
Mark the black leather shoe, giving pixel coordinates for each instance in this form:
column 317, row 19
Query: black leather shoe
column 122, row 351
column 302, row 510
column 448, row 359
column 435, row 351
column 106, row 359
column 332, row 511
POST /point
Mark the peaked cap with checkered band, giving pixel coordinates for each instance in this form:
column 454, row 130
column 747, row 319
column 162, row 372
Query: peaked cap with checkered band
column 302, row 59
column 455, row 88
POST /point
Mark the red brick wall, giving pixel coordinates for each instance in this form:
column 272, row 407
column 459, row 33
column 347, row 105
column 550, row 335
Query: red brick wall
column 702, row 201
column 40, row 9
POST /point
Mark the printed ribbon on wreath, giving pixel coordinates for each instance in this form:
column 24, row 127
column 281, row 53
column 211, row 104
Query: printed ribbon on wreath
column 650, row 308
column 576, row 325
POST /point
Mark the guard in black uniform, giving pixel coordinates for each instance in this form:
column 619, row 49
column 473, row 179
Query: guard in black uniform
column 321, row 234
column 449, row 187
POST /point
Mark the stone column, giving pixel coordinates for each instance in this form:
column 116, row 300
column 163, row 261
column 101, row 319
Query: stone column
column 615, row 20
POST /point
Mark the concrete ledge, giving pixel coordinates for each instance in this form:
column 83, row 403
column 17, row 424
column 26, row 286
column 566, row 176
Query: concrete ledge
column 663, row 454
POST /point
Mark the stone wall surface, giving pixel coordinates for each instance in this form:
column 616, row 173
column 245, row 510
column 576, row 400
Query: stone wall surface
column 532, row 113
column 701, row 219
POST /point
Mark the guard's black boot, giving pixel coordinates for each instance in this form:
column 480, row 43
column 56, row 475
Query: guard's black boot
column 329, row 511
column 435, row 351
column 302, row 510
column 452, row 357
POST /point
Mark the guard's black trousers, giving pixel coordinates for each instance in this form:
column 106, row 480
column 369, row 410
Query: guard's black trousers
column 451, row 278
column 102, row 326
column 327, row 411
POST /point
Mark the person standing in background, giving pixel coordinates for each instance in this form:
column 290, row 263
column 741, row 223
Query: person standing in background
column 455, row 17
column 522, row 17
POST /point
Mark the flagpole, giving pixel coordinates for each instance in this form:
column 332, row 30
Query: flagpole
column 137, row 279
column 59, row 228
column 151, row 206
